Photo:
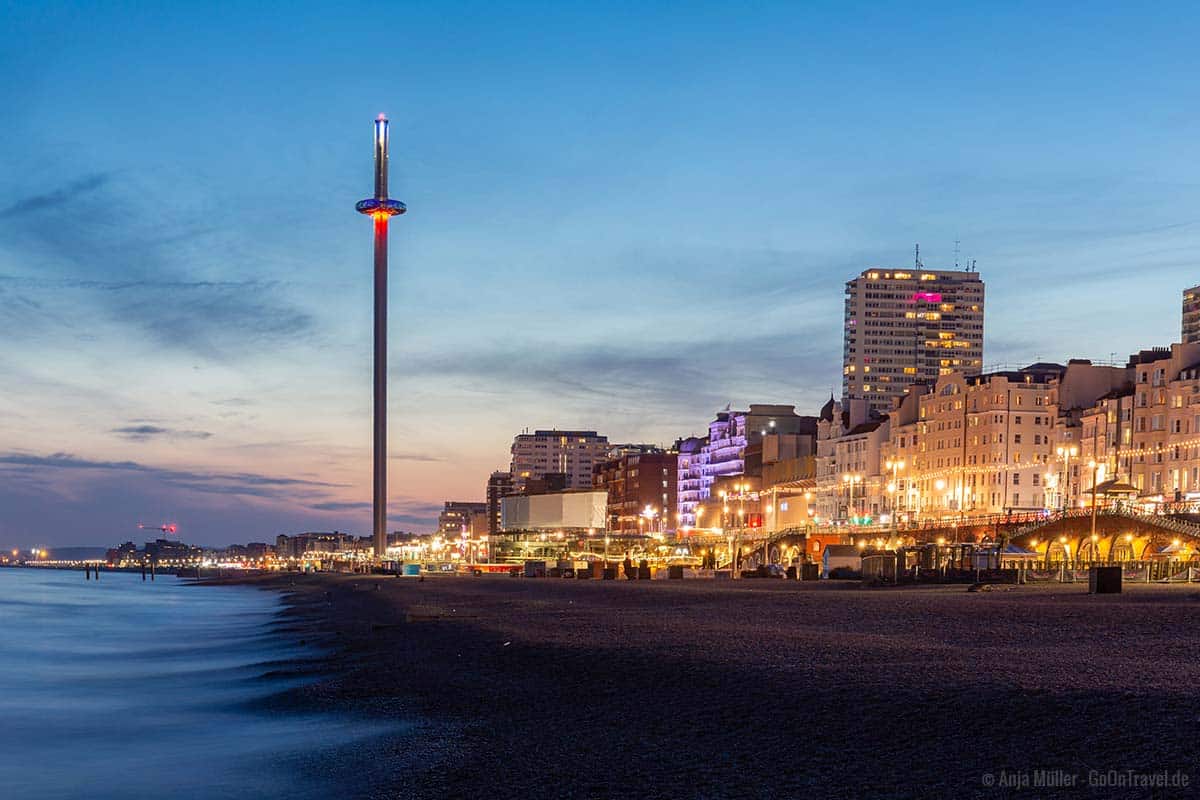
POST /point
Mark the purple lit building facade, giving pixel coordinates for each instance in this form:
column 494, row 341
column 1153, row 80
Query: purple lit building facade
column 722, row 453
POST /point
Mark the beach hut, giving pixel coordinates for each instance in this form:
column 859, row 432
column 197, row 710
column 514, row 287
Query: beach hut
column 840, row 556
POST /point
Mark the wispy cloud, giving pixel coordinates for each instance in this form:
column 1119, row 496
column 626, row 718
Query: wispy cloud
column 67, row 193
column 663, row 372
column 340, row 506
column 126, row 262
column 223, row 483
column 426, row 457
column 145, row 432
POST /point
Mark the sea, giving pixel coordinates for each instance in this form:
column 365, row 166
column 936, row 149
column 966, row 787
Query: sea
column 124, row 688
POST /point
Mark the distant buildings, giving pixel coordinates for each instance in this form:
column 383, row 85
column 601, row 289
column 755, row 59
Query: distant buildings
column 499, row 485
column 315, row 543
column 571, row 453
column 121, row 554
column 640, row 483
column 172, row 552
column 907, row 325
column 1191, row 315
column 459, row 517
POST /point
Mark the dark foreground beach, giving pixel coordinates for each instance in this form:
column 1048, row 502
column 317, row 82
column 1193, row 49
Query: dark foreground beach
column 579, row 689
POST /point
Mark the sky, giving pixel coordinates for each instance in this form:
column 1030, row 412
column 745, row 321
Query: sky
column 622, row 217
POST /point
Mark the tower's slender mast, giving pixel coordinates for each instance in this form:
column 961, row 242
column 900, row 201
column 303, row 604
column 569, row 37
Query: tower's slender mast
column 380, row 207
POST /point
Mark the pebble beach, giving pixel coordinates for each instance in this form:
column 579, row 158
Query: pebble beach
column 757, row 688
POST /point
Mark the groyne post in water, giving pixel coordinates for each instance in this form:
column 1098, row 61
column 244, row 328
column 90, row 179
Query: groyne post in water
column 151, row 569
column 87, row 572
column 143, row 570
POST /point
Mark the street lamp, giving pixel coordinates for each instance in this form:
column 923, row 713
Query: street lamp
column 850, row 479
column 743, row 489
column 1066, row 454
column 1094, row 466
column 895, row 466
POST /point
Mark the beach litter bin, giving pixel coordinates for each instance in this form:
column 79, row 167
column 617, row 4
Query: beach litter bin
column 1104, row 580
column 585, row 570
column 644, row 570
column 535, row 569
column 675, row 572
column 792, row 574
column 412, row 569
column 810, row 572
column 610, row 573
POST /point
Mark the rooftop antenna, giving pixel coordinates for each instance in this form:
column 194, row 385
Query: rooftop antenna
column 956, row 243
column 917, row 257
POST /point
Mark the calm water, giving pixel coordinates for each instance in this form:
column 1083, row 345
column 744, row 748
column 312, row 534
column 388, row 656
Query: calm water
column 120, row 688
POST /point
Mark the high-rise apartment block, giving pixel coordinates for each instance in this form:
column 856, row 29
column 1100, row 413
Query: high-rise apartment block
column 499, row 486
column 908, row 325
column 1191, row 315
column 571, row 453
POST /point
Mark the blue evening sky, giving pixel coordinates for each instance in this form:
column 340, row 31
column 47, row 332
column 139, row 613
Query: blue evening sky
column 622, row 216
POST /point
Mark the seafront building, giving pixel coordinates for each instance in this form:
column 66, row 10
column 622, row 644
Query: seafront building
column 559, row 513
column 458, row 517
column 848, row 475
column 906, row 325
column 640, row 483
column 499, row 485
column 723, row 453
column 1191, row 316
column 983, row 443
column 963, row 445
column 1162, row 459
column 570, row 453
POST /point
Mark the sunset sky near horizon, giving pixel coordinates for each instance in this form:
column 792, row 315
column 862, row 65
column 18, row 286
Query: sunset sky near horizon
column 622, row 217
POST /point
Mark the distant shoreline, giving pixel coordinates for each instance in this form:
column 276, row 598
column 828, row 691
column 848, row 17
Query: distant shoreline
column 553, row 688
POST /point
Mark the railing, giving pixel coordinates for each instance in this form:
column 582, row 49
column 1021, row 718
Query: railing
column 1034, row 521
column 1157, row 520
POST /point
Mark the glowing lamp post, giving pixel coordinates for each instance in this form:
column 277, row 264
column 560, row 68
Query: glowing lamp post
column 1066, row 454
column 380, row 208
